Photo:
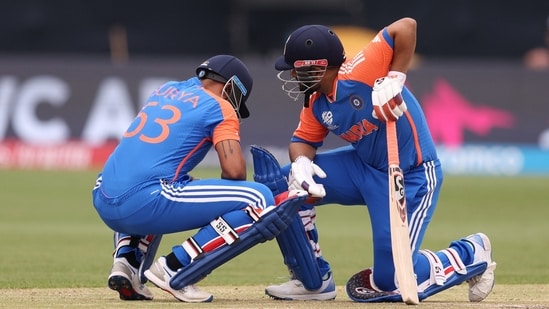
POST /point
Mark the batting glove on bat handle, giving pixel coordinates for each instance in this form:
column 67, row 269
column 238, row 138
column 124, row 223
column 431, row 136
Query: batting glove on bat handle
column 387, row 98
column 301, row 177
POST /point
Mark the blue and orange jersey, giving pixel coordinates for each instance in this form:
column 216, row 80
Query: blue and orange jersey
column 173, row 132
column 347, row 112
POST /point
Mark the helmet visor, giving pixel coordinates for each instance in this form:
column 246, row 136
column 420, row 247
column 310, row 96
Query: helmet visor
column 304, row 78
column 235, row 92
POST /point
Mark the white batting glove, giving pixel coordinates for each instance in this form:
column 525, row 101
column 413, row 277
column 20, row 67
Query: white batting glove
column 387, row 97
column 301, row 177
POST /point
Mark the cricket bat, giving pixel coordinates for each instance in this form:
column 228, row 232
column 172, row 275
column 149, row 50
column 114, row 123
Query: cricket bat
column 400, row 237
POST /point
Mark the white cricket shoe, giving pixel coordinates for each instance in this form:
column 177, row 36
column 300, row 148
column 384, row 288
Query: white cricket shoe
column 294, row 290
column 124, row 278
column 160, row 274
column 480, row 286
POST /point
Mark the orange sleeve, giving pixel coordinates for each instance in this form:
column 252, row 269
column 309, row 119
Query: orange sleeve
column 309, row 129
column 372, row 62
column 229, row 128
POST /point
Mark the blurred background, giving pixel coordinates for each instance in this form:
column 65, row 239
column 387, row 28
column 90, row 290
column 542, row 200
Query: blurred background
column 73, row 74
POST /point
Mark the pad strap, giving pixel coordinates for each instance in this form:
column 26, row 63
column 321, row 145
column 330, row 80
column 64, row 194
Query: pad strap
column 437, row 268
column 254, row 213
column 224, row 230
column 308, row 217
column 134, row 242
column 455, row 261
column 193, row 248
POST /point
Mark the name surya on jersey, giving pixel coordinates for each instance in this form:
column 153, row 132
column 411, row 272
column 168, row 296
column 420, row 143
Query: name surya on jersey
column 173, row 93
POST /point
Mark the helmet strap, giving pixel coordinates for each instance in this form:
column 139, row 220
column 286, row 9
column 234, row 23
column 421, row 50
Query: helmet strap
column 206, row 74
column 306, row 98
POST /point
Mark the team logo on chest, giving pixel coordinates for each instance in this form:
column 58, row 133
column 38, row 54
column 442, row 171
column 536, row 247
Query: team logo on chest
column 356, row 102
column 328, row 119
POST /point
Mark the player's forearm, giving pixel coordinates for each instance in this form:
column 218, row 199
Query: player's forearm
column 231, row 160
column 301, row 149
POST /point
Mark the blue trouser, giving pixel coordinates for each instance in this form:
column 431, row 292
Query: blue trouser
column 352, row 182
column 160, row 208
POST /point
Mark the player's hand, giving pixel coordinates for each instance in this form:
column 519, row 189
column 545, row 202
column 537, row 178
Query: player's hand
column 387, row 97
column 301, row 177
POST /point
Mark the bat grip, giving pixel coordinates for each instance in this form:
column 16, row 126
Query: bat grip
column 392, row 143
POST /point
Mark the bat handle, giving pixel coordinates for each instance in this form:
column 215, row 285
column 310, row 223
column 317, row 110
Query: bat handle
column 392, row 143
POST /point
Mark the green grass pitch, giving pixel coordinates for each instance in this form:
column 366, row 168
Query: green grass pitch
column 53, row 238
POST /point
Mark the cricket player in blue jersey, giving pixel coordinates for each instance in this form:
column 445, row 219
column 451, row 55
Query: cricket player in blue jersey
column 354, row 99
column 145, row 188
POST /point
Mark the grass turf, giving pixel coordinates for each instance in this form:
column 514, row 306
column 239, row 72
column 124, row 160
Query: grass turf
column 52, row 237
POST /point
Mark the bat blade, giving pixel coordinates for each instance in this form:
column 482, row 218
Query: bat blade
column 400, row 237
